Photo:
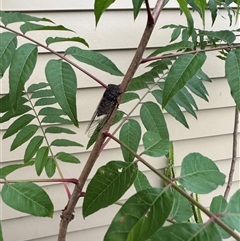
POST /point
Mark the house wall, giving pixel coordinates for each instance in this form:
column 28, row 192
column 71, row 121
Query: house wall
column 116, row 36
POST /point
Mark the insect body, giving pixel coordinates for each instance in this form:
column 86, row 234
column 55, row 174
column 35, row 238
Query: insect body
column 105, row 106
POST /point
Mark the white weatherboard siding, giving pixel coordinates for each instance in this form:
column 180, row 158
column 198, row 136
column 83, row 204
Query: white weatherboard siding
column 116, row 37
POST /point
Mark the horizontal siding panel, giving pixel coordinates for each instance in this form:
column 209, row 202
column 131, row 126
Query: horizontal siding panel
column 122, row 59
column 204, row 127
column 116, row 29
column 219, row 97
column 221, row 149
column 26, row 5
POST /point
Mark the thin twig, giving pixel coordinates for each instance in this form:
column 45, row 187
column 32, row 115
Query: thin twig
column 167, row 56
column 234, row 154
column 48, row 144
column 56, row 53
column 68, row 211
column 65, row 180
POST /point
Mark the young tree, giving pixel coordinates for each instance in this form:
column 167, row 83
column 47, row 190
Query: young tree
column 174, row 77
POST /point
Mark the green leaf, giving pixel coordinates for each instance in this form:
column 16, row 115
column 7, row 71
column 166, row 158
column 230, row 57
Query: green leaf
column 21, row 68
column 172, row 108
column 195, row 7
column 137, row 84
column 63, row 81
column 183, row 69
column 118, row 117
column 187, row 232
column 14, row 17
column 154, row 145
column 27, row 27
column 32, row 148
column 94, row 59
column 65, row 157
column 232, row 69
column 213, row 9
column 24, row 135
column 18, row 124
column 153, row 119
column 130, row 135
column 139, row 217
column 224, row 35
column 140, row 82
column 141, row 182
column 64, row 142
column 136, row 7
column 233, row 211
column 51, row 40
column 57, row 129
column 203, row 76
column 176, row 46
column 185, row 99
column 108, row 185
column 28, row 198
column 175, row 34
column 197, row 87
column 147, row 77
column 199, row 174
column 184, row 7
column 45, row 101
column 202, row 7
column 42, row 93
column 128, row 96
column 19, row 111
column 219, row 205
column 50, row 111
column 41, row 159
column 11, row 168
column 99, row 7
column 160, row 66
column 182, row 210
column 38, row 86
column 56, row 119
column 5, row 104
column 50, row 167
column 8, row 45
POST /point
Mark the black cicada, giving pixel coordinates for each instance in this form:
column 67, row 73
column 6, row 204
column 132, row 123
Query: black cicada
column 105, row 106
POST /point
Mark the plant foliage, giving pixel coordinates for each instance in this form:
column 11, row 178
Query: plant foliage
column 42, row 118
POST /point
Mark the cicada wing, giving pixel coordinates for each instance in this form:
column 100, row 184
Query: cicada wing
column 97, row 125
column 91, row 121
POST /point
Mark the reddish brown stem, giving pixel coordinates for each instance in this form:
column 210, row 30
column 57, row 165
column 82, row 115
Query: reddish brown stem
column 68, row 180
column 167, row 56
column 234, row 154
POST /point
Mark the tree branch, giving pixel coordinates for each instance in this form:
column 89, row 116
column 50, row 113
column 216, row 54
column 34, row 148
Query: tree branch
column 67, row 213
column 234, row 154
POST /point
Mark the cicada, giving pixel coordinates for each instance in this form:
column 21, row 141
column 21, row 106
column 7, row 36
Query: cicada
column 104, row 108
